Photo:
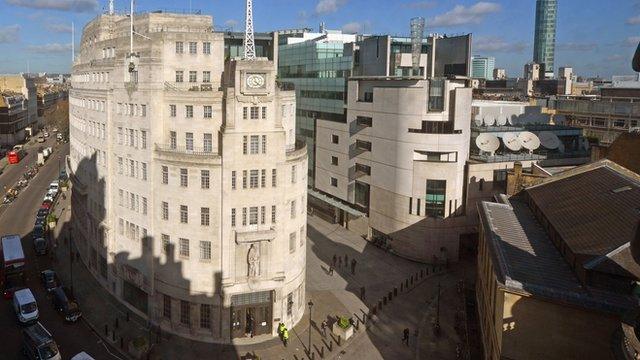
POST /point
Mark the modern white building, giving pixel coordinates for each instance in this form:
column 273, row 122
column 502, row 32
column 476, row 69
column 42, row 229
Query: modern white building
column 188, row 185
column 482, row 67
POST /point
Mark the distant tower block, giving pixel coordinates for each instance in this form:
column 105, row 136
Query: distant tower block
column 249, row 41
column 417, row 33
column 111, row 9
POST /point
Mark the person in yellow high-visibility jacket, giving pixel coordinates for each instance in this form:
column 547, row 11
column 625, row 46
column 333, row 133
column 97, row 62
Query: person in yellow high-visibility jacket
column 281, row 328
column 285, row 336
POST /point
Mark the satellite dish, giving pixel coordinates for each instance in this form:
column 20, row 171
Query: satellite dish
column 549, row 140
column 487, row 143
column 489, row 120
column 511, row 141
column 501, row 121
column 478, row 121
column 529, row 140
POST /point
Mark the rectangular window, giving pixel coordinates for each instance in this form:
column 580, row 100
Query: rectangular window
column 410, row 205
column 204, row 179
column 120, row 197
column 188, row 109
column 119, row 135
column 293, row 174
column 363, row 145
column 334, row 182
column 435, row 200
column 143, row 110
column 244, row 216
column 206, row 76
column 255, row 112
column 233, row 180
column 206, row 48
column 173, row 110
column 173, row 140
column 166, row 306
column 165, row 175
column 143, row 139
column 302, row 235
column 144, row 205
column 263, row 210
column 264, row 112
column 207, row 143
column 188, row 140
column 193, row 47
column 185, row 313
column 292, row 242
column 334, row 160
column 335, row 139
column 193, row 76
column 244, row 113
column 184, row 214
column 204, row 216
column 179, row 47
column 436, row 95
column 255, row 141
column 244, row 145
column 208, row 112
column 184, row 177
column 263, row 178
column 165, row 210
column 253, row 179
column 293, row 209
column 244, row 179
column 166, row 242
column 253, row 215
column 205, row 315
column 144, row 171
column 264, row 144
column 184, row 247
column 179, row 76
column 273, row 214
column 233, row 217
column 274, row 177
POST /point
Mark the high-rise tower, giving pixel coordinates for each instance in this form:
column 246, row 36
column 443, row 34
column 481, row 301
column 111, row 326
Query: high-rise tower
column 544, row 45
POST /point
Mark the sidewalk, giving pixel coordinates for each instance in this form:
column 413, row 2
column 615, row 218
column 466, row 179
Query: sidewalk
column 338, row 294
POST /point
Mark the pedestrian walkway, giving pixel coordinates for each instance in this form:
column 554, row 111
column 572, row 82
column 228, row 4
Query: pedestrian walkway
column 339, row 294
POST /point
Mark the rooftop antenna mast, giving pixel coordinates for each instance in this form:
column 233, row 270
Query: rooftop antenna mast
column 131, row 29
column 249, row 40
column 111, row 10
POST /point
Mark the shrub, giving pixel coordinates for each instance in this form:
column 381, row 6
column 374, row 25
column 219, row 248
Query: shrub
column 51, row 218
column 343, row 322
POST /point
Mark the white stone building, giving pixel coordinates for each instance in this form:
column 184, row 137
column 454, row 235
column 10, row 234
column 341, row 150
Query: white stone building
column 189, row 188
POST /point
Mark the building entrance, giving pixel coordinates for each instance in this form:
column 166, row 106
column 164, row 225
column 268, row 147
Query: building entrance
column 251, row 314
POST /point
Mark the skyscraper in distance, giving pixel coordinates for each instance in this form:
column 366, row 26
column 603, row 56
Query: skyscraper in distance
column 544, row 44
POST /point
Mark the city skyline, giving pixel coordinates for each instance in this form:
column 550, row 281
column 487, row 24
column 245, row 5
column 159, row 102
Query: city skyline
column 603, row 49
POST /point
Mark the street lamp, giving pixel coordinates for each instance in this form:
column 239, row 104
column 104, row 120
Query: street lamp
column 310, row 308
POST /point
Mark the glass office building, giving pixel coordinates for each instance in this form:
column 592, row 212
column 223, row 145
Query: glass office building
column 318, row 69
column 544, row 44
column 482, row 67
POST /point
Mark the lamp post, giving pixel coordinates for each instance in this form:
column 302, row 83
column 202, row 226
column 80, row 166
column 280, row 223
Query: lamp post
column 310, row 308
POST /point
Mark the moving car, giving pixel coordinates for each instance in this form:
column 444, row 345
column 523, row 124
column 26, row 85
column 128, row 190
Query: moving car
column 65, row 304
column 38, row 343
column 50, row 280
column 25, row 306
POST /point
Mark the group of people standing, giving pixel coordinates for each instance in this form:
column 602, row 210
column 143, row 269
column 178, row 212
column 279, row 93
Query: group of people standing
column 338, row 260
column 283, row 332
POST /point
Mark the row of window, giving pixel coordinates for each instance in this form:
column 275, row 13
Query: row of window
column 93, row 77
column 251, row 144
column 132, row 137
column 254, row 112
column 131, row 231
column 132, row 168
column 95, row 129
column 434, row 201
column 185, row 312
column 254, row 214
column 97, row 105
column 341, row 118
column 193, row 76
column 131, row 109
column 184, row 177
column 254, row 178
column 205, row 214
column 207, row 111
column 207, row 141
column 292, row 239
column 132, row 201
column 184, row 249
column 108, row 52
column 193, row 47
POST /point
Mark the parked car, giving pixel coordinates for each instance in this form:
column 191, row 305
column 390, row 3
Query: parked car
column 54, row 187
column 46, row 134
column 42, row 214
column 38, row 343
column 25, row 306
column 46, row 204
column 63, row 175
column 65, row 304
column 50, row 280
column 49, row 197
column 40, row 139
column 40, row 246
column 38, row 231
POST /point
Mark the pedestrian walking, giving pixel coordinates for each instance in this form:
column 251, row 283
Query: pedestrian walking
column 323, row 326
column 331, row 270
column 281, row 328
column 362, row 293
column 353, row 266
column 285, row 336
column 405, row 336
column 335, row 258
column 340, row 262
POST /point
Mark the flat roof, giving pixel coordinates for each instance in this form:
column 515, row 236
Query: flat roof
column 12, row 248
column 24, row 296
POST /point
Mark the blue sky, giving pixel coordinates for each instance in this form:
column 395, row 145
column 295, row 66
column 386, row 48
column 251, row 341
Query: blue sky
column 594, row 36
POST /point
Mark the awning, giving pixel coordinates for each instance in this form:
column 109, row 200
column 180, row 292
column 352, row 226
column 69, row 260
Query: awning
column 335, row 203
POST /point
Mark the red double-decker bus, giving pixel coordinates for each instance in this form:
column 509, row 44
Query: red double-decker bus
column 15, row 155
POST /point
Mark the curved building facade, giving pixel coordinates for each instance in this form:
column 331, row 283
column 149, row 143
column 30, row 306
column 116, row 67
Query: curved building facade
column 189, row 188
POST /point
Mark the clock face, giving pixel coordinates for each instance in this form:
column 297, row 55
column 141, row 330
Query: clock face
column 255, row 81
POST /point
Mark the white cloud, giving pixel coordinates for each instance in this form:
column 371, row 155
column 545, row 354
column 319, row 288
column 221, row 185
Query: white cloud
column 49, row 48
column 633, row 40
column 634, row 20
column 576, row 47
column 462, row 15
column 59, row 28
column 353, row 27
column 231, row 23
column 9, row 34
column 492, row 44
column 329, row 6
column 420, row 5
column 64, row 5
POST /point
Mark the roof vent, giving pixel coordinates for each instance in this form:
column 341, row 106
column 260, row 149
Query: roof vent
column 621, row 189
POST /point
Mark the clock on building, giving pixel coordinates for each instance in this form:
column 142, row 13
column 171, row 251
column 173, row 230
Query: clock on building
column 256, row 81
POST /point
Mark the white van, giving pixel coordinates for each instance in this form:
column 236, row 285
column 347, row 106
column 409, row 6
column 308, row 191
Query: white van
column 25, row 306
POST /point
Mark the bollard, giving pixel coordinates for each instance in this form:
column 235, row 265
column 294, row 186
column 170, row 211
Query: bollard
column 395, row 291
column 390, row 296
column 411, row 279
column 401, row 287
column 338, row 342
column 321, row 352
column 380, row 304
column 421, row 273
column 106, row 330
column 312, row 354
column 113, row 336
column 127, row 315
column 384, row 300
column 121, row 343
column 427, row 271
column 374, row 310
column 116, row 323
column 357, row 324
column 406, row 283
column 330, row 345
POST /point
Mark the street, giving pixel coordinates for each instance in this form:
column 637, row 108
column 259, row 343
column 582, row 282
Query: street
column 18, row 218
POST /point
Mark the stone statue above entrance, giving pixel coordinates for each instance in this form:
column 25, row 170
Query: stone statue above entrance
column 253, row 258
